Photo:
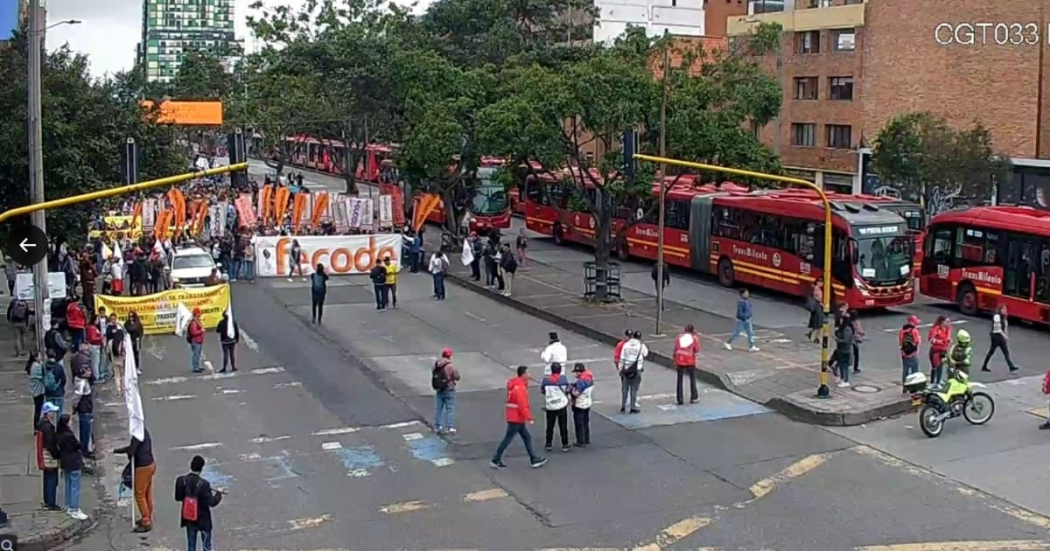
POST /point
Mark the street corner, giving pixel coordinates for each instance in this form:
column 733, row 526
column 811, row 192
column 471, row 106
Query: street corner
column 42, row 530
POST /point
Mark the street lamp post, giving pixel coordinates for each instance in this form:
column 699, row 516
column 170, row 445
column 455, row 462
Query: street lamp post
column 660, row 267
column 36, row 160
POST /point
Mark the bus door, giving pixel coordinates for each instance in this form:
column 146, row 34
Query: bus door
column 1018, row 277
column 1042, row 274
column 700, row 220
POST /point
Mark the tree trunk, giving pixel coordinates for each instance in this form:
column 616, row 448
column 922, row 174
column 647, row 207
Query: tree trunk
column 602, row 244
column 451, row 226
column 350, row 173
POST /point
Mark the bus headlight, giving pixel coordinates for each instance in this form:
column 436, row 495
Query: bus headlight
column 860, row 286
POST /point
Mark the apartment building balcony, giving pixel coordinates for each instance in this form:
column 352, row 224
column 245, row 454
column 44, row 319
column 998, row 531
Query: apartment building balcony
column 794, row 18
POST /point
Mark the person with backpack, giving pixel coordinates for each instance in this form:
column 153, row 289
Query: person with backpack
column 555, row 390
column 54, row 381
column 686, row 347
column 195, row 338
column 438, row 267
column 1000, row 339
column 443, row 379
column 582, row 398
column 632, row 364
column 35, row 371
column 71, row 461
column 519, row 416
column 229, row 336
column 47, row 454
column 378, row 277
column 54, row 342
column 909, row 341
column 961, row 353
column 197, row 498
column 508, row 265
column 18, row 317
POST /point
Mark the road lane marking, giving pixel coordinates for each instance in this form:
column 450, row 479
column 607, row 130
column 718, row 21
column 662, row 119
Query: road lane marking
column 485, row 495
column 401, row 425
column 404, row 507
column 331, row 432
column 249, row 342
column 675, row 533
column 267, row 370
column 329, row 446
column 174, row 397
column 287, row 385
column 214, row 376
column 205, row 446
column 304, row 523
column 268, row 439
column 412, row 436
column 762, row 488
column 1012, row 545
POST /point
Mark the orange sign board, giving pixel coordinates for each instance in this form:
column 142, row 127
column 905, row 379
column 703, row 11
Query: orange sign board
column 188, row 112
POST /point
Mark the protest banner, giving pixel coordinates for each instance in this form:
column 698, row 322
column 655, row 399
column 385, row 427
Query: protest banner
column 158, row 312
column 341, row 254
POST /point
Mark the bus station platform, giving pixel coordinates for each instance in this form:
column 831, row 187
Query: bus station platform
column 783, row 375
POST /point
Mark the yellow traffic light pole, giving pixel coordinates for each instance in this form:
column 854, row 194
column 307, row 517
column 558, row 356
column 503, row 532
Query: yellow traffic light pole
column 122, row 190
column 823, row 391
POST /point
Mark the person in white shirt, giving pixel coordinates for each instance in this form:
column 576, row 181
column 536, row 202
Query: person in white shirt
column 438, row 267
column 555, row 352
column 632, row 364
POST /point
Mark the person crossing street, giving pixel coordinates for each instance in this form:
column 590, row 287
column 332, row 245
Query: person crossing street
column 519, row 417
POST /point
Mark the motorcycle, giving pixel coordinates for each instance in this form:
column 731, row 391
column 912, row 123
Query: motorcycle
column 954, row 397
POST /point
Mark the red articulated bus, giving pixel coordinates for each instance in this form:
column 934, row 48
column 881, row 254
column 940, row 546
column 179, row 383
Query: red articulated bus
column 982, row 257
column 307, row 152
column 767, row 239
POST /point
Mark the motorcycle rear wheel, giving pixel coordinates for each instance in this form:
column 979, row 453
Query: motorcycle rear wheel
column 979, row 408
column 929, row 423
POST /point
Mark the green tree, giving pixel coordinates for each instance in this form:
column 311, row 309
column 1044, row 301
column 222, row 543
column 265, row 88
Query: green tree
column 928, row 161
column 201, row 76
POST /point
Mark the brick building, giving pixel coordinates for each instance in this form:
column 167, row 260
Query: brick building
column 848, row 67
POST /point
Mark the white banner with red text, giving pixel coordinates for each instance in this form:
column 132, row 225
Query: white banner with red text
column 340, row 254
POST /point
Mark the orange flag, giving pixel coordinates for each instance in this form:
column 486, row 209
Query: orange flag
column 280, row 204
column 160, row 229
column 136, row 214
column 178, row 205
column 298, row 207
column 266, row 203
column 202, row 213
column 320, row 206
column 425, row 205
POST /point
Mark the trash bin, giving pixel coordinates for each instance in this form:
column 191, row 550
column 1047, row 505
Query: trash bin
column 591, row 280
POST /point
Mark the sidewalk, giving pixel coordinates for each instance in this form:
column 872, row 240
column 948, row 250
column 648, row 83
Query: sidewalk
column 783, row 376
column 20, row 480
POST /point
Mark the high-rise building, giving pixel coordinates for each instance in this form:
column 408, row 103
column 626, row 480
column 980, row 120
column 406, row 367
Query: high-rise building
column 173, row 28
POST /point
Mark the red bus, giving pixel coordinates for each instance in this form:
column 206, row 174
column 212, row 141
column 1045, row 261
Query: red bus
column 913, row 214
column 307, row 152
column 982, row 257
column 768, row 239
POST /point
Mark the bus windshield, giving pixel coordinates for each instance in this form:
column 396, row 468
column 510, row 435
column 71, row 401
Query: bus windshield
column 490, row 198
column 885, row 260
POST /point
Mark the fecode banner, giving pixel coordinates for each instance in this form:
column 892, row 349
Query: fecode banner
column 341, row 254
column 158, row 311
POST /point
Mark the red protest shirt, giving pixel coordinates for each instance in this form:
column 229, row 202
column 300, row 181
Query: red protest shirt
column 94, row 336
column 75, row 316
column 686, row 347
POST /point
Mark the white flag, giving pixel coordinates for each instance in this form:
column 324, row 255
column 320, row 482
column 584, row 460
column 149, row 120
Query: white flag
column 229, row 323
column 182, row 319
column 136, row 417
column 107, row 253
column 468, row 253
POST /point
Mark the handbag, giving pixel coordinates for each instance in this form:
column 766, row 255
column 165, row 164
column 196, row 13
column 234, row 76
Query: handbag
column 44, row 461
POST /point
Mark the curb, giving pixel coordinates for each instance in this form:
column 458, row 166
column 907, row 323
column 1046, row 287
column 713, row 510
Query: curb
column 718, row 380
column 69, row 529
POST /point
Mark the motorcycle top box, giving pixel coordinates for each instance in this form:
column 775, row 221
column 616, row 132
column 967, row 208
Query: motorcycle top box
column 916, row 382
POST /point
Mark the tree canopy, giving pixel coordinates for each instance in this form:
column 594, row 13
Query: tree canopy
column 927, row 160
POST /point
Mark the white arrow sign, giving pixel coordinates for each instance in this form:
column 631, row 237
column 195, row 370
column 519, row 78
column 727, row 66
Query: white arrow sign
column 25, row 244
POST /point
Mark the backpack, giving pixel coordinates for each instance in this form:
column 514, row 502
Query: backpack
column 439, row 378
column 19, row 310
column 908, row 345
column 631, row 371
column 190, row 505
column 958, row 354
column 50, row 381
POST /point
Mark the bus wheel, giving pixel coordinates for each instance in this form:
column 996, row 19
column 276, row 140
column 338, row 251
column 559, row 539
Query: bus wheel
column 967, row 299
column 622, row 252
column 726, row 274
column 559, row 235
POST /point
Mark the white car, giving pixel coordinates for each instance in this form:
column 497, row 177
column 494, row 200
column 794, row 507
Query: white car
column 191, row 266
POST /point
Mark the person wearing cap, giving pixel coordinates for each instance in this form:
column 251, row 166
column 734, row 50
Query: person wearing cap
column 686, row 347
column 443, row 380
column 582, row 390
column 555, row 352
column 519, row 417
column 619, row 348
column 195, row 336
column 632, row 364
column 47, row 454
column 909, row 340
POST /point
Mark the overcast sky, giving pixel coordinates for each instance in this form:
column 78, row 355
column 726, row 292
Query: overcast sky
column 111, row 29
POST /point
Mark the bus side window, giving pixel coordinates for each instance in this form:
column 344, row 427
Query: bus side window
column 940, row 245
column 677, row 215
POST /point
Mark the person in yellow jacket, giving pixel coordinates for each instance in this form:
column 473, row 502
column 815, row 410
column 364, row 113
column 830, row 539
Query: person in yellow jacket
column 391, row 279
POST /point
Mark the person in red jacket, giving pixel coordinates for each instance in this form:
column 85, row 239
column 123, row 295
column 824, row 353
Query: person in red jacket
column 940, row 337
column 76, row 320
column 195, row 336
column 519, row 417
column 686, row 347
column 94, row 340
column 619, row 348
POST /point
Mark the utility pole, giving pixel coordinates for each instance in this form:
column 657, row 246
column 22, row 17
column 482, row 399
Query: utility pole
column 663, row 193
column 41, row 291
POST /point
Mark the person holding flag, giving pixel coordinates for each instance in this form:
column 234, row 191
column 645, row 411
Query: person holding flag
column 229, row 336
column 140, row 449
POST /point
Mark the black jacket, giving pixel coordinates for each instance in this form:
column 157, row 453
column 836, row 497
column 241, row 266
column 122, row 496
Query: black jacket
column 508, row 262
column 141, row 451
column 378, row 275
column 221, row 330
column 69, row 457
column 193, row 485
column 47, row 429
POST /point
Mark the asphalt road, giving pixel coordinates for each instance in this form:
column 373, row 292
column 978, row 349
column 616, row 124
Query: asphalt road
column 322, row 440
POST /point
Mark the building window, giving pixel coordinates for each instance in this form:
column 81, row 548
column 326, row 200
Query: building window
column 807, row 42
column 842, row 40
column 806, row 88
column 804, row 134
column 840, row 88
column 765, row 6
column 840, row 136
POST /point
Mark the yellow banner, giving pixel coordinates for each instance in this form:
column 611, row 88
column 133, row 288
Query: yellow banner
column 158, row 311
column 116, row 227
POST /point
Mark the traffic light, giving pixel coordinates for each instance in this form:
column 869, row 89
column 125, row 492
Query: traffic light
column 630, row 147
column 129, row 156
column 235, row 146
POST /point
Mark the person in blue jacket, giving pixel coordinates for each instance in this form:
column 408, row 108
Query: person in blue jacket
column 743, row 322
